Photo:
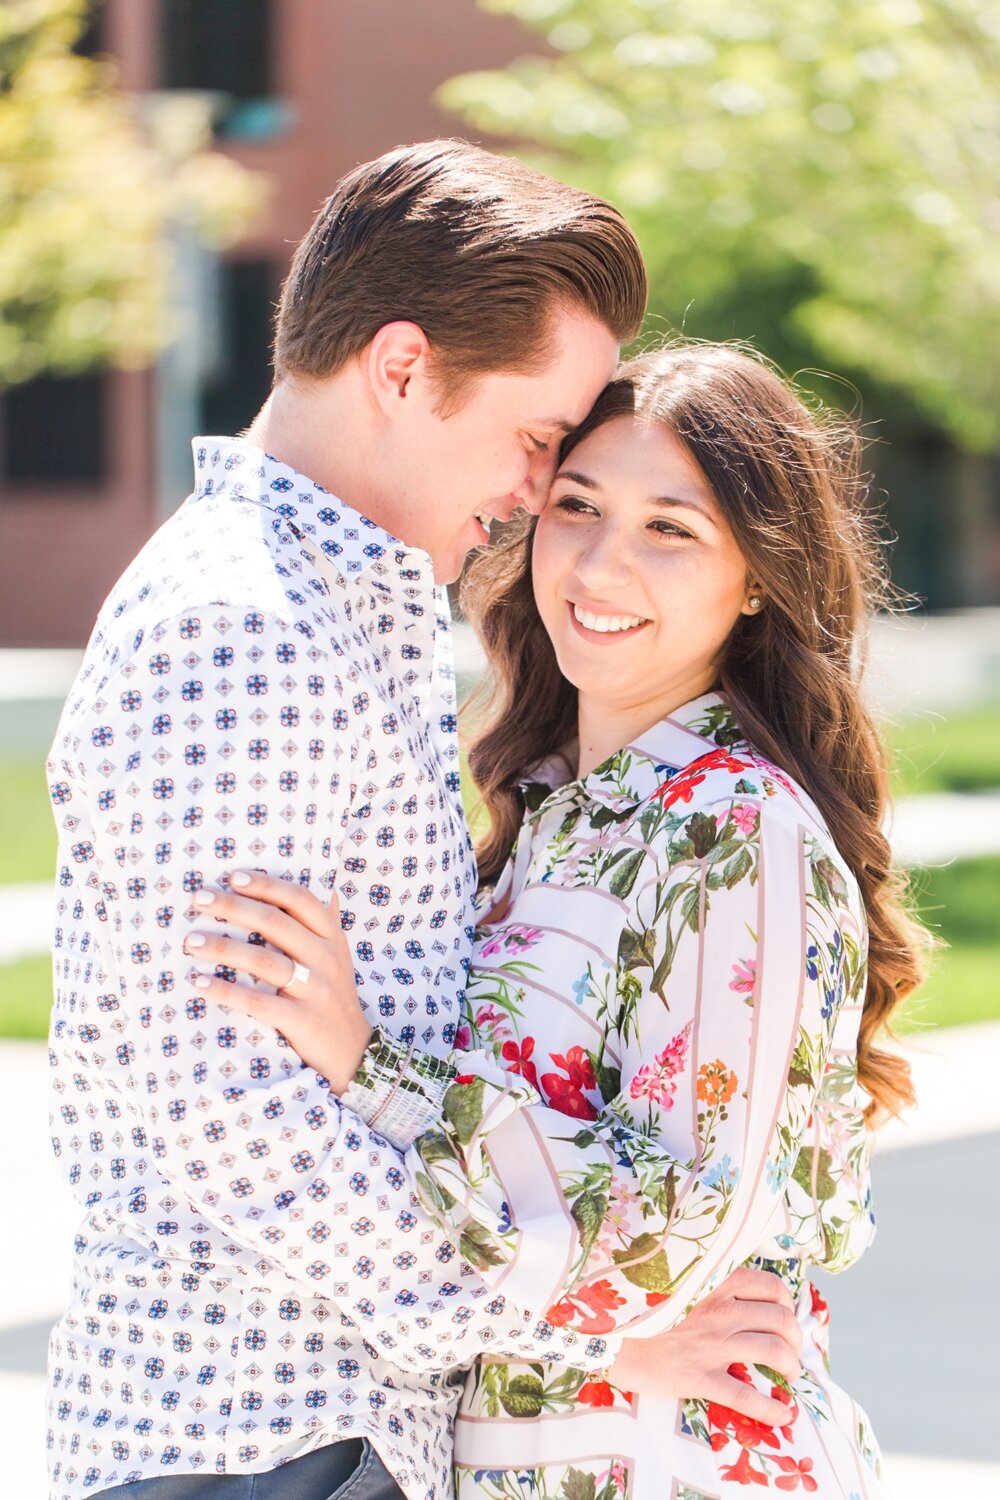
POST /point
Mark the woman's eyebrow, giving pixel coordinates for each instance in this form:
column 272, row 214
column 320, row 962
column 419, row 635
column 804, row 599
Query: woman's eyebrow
column 667, row 501
column 578, row 478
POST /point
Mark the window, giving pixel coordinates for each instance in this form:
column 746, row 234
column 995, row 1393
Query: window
column 225, row 47
column 53, row 431
column 242, row 380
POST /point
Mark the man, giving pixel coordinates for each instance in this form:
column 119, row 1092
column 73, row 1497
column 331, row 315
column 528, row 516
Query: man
column 269, row 684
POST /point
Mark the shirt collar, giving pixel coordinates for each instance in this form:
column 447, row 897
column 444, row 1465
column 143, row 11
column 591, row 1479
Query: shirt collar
column 305, row 512
column 636, row 772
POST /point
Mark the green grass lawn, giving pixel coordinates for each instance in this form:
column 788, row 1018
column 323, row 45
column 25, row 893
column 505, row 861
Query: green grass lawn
column 27, row 830
column 956, row 754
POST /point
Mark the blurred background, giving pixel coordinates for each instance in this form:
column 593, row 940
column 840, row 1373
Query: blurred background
column 822, row 180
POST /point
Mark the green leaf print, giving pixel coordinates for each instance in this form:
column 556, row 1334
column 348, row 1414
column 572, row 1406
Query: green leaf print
column 626, row 871
column 439, row 1198
column 818, row 1163
column 739, row 866
column 523, row 1397
column 577, row 1485
column 691, row 907
column 636, row 950
column 479, row 1247
column 666, row 1195
column 831, row 887
column 652, row 1274
column 463, row 1108
column 609, row 1079
column 588, row 1213
column 703, row 833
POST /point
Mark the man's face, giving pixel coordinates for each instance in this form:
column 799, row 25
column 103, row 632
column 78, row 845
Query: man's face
column 498, row 450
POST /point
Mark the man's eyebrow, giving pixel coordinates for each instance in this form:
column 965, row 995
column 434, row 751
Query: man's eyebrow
column 559, row 423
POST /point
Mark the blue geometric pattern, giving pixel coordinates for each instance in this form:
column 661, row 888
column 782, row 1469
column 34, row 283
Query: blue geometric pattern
column 268, row 685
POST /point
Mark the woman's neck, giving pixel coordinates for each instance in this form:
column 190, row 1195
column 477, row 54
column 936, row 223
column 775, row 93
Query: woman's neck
column 605, row 728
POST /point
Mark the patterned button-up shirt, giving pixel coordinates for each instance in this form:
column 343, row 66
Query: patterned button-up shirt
column 268, row 685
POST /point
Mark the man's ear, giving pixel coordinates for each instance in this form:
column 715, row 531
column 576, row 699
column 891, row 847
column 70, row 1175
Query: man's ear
column 397, row 356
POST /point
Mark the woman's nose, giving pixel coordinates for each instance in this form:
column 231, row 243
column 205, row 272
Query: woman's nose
column 603, row 563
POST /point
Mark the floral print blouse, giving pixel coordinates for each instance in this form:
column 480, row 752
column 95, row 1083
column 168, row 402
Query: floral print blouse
column 660, row 1079
column 685, row 905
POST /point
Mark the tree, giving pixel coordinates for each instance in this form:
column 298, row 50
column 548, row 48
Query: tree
column 93, row 184
column 822, row 177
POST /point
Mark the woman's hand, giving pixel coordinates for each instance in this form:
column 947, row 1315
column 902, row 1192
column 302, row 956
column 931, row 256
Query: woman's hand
column 314, row 1003
column 748, row 1320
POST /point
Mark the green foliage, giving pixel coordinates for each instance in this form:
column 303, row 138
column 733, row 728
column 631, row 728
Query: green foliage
column 92, row 185
column 821, row 178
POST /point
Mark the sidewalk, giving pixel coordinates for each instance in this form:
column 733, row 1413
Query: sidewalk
column 942, row 1147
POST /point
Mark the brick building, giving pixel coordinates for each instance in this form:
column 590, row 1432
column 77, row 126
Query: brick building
column 304, row 89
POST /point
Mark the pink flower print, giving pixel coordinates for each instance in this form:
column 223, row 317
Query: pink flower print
column 657, row 1082
column 521, row 937
column 744, row 816
column 621, row 1200
column 746, row 976
column 493, row 1022
column 463, row 1036
column 619, row 1475
column 492, row 945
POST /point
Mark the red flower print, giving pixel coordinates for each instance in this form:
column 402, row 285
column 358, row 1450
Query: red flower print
column 741, row 1472
column 595, row 1393
column 796, row 1473
column 600, row 1297
column 561, row 1313
column 518, row 1059
column 820, row 1308
column 681, row 788
column 677, row 789
column 465, row 1077
column 566, row 1094
column 748, row 1432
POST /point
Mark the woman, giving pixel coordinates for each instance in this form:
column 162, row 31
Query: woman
column 691, row 950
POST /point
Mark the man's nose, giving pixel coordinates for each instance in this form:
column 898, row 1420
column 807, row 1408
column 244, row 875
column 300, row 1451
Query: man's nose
column 533, row 490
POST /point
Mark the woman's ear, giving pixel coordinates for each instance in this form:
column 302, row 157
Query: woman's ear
column 397, row 356
column 754, row 601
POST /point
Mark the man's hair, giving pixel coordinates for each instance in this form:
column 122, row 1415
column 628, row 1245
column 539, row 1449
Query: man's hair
column 478, row 250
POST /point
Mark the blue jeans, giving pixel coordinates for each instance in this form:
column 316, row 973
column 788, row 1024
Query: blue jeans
column 349, row 1470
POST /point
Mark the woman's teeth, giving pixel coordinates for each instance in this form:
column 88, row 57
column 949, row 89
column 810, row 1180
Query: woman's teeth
column 606, row 622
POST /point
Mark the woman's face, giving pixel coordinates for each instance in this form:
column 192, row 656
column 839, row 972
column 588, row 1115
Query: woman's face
column 636, row 574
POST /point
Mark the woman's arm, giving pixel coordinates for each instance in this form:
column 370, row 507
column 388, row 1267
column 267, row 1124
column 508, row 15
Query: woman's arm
column 610, row 1224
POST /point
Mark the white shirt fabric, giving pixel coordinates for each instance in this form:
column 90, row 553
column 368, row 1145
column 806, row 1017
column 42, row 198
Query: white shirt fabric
column 269, row 685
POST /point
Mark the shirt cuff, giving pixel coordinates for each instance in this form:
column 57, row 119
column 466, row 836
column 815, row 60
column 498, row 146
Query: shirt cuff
column 396, row 1091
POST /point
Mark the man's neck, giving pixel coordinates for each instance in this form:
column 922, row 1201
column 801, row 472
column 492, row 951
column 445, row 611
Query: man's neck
column 326, row 431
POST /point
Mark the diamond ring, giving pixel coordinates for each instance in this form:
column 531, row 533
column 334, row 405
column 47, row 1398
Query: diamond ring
column 300, row 975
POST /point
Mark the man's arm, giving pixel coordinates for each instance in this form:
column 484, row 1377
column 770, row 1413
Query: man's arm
column 187, row 771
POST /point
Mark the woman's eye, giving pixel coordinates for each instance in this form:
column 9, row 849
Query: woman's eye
column 668, row 529
column 574, row 506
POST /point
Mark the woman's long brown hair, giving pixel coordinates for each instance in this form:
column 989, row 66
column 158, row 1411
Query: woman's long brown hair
column 789, row 483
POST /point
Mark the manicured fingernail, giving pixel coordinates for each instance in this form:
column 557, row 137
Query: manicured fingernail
column 203, row 898
column 201, row 982
column 194, row 940
column 240, row 878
